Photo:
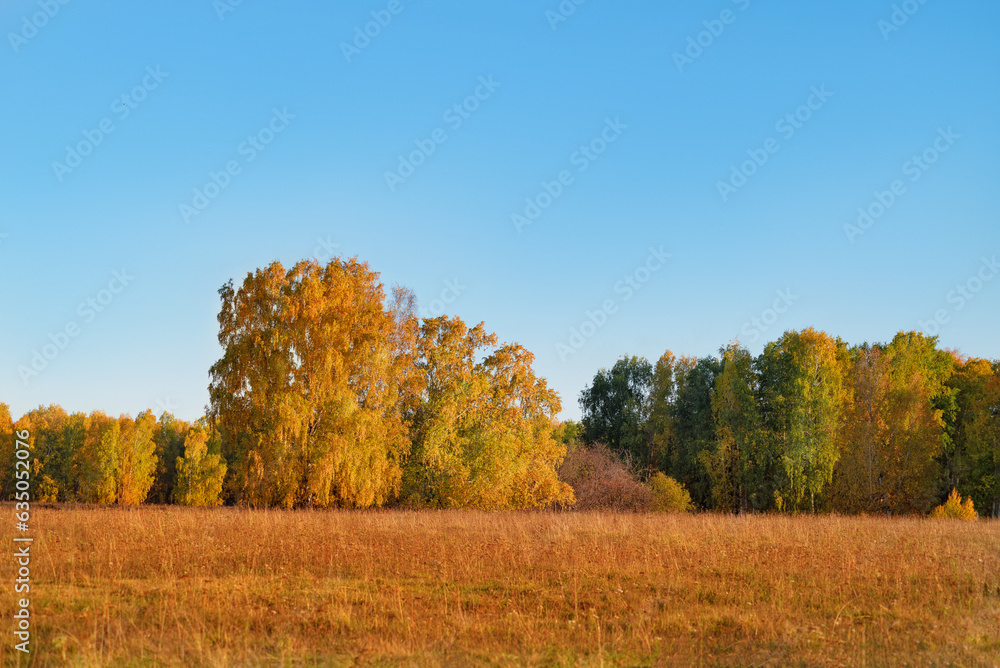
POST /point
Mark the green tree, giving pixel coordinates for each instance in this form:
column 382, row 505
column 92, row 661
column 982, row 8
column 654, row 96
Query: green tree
column 567, row 432
column 693, row 429
column 805, row 391
column 919, row 373
column 662, row 399
column 7, row 449
column 616, row 409
column 66, row 470
column 169, row 440
column 737, row 464
column 973, row 466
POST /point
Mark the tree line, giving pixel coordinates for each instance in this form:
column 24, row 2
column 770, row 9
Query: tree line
column 810, row 424
column 329, row 393
column 332, row 393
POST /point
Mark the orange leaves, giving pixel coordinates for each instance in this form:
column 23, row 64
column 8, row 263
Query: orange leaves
column 307, row 393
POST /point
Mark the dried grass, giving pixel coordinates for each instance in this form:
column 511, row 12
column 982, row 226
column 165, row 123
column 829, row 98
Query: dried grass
column 228, row 587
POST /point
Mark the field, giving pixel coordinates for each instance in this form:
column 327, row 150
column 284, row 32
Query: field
column 192, row 587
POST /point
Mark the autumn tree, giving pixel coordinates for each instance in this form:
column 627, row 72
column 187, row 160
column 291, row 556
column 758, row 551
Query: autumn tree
column 97, row 459
column 860, row 477
column 892, row 433
column 136, row 458
column 307, row 394
column 482, row 432
column 669, row 496
column 199, row 473
column 51, row 458
column 116, row 460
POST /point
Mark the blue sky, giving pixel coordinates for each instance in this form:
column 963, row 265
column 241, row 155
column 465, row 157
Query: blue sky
column 642, row 109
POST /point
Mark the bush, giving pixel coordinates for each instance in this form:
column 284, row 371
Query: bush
column 669, row 496
column 955, row 509
column 601, row 481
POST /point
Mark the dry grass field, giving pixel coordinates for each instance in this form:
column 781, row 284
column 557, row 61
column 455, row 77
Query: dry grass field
column 227, row 587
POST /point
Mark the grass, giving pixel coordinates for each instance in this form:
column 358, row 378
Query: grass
column 191, row 587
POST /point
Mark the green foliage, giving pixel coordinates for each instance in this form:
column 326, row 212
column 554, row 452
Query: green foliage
column 169, row 444
column 805, row 388
column 669, row 496
column 7, row 447
column 955, row 508
column 616, row 408
column 738, row 464
column 567, row 432
column 693, row 429
column 973, row 463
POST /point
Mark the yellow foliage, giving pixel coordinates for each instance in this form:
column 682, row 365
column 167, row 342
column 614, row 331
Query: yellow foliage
column 954, row 508
column 669, row 495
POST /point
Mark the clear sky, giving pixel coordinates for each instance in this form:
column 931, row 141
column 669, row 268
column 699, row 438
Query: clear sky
column 710, row 152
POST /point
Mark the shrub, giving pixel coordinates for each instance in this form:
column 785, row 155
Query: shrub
column 955, row 509
column 669, row 496
column 601, row 481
